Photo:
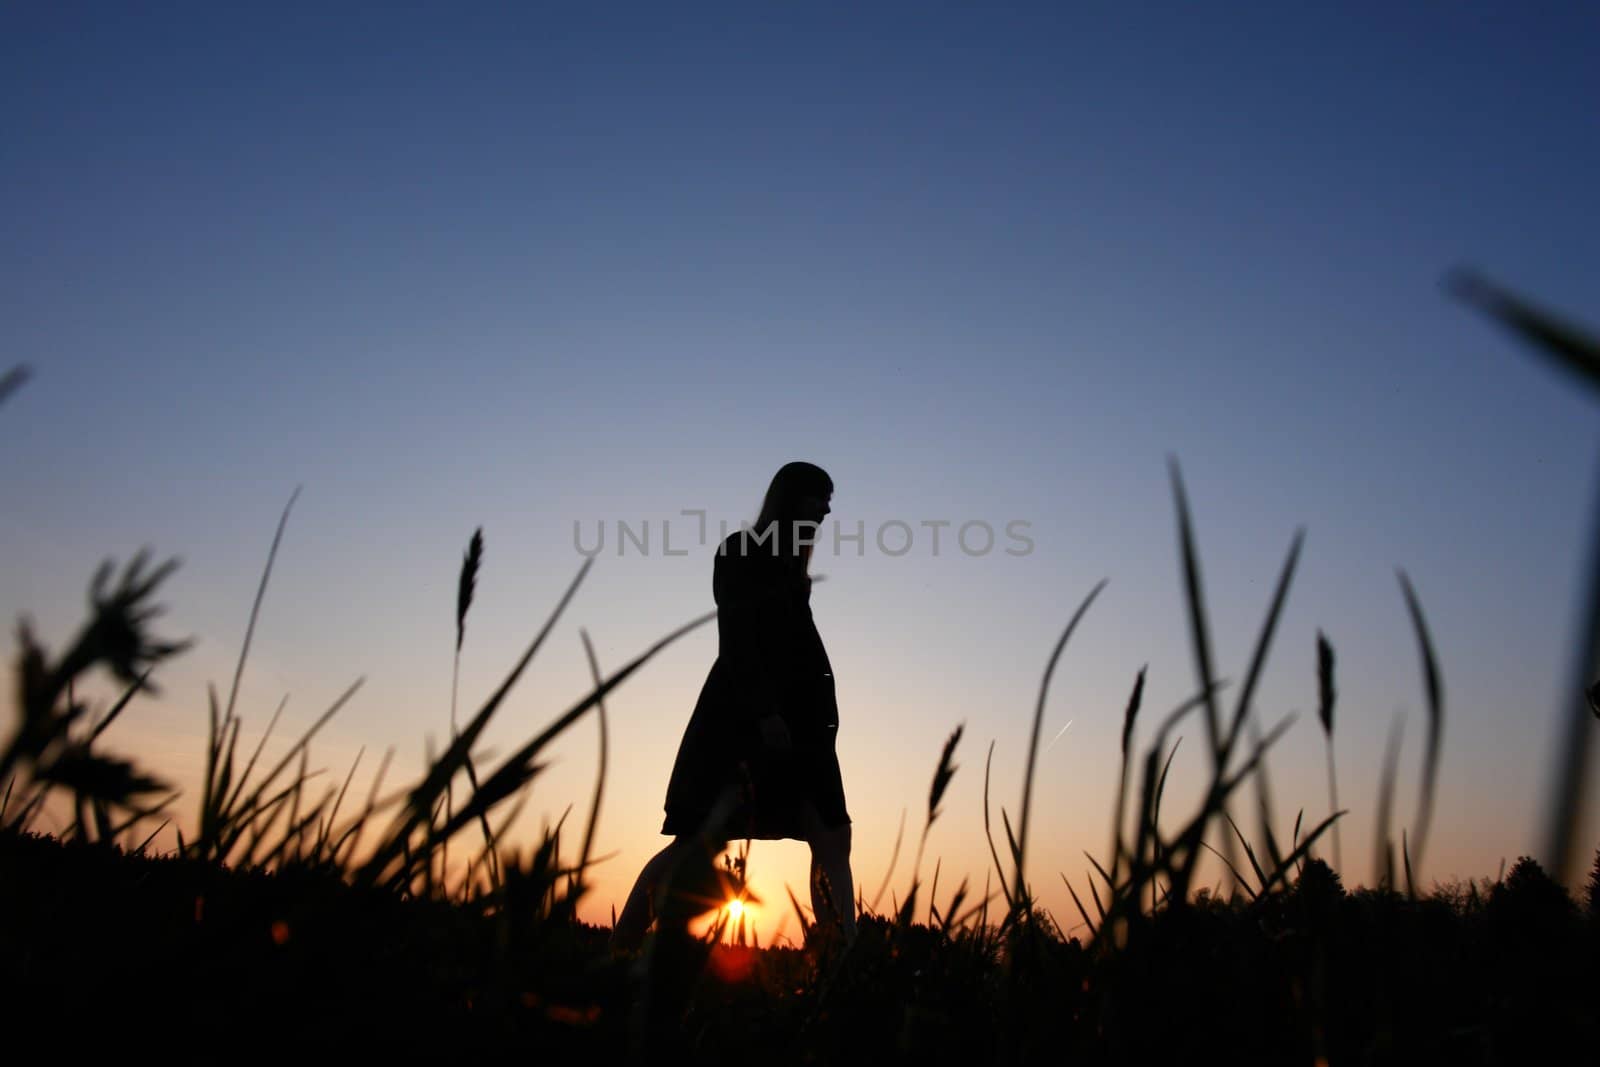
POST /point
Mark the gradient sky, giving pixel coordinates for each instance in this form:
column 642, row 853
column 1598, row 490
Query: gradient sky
column 602, row 262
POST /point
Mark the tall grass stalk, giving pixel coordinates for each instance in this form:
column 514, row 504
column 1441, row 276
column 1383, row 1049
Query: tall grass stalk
column 1327, row 696
column 1434, row 692
column 1019, row 843
column 1578, row 352
column 942, row 775
column 1222, row 744
column 1383, row 858
column 988, row 831
column 466, row 585
column 1129, row 714
column 894, row 854
column 600, row 775
column 255, row 605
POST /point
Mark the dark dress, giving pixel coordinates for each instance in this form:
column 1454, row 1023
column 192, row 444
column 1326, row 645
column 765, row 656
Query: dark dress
column 769, row 656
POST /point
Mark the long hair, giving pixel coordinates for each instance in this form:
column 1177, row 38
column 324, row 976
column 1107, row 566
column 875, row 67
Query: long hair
column 781, row 505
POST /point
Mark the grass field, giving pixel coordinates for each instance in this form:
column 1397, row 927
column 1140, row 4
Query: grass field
column 295, row 917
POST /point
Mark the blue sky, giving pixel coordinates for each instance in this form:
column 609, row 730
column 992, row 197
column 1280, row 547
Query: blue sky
column 520, row 268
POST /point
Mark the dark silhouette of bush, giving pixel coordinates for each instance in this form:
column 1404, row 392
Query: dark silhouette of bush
column 1534, row 957
column 1319, row 882
column 1464, row 896
column 1530, row 902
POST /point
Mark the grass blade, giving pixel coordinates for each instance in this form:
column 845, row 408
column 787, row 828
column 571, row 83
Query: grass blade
column 805, row 925
column 427, row 792
column 1566, row 344
column 116, row 709
column 1238, row 879
column 1579, row 353
column 254, row 756
column 1281, row 870
column 1383, row 861
column 1199, row 631
column 327, row 827
column 1099, row 908
column 1294, row 839
column 600, row 778
column 1435, row 695
column 1110, row 883
column 988, row 832
column 516, row 770
column 1093, row 931
column 1161, row 784
column 1135, row 699
column 300, row 746
column 255, row 606
column 894, row 854
column 1405, row 855
column 146, row 842
column 1033, row 740
column 1259, row 657
column 951, row 912
column 1249, row 853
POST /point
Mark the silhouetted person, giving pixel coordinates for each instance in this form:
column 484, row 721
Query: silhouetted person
column 757, row 759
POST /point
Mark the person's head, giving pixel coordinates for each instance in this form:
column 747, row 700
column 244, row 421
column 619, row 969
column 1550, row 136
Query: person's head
column 800, row 492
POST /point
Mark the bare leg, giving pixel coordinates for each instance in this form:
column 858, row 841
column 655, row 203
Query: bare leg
column 639, row 910
column 833, row 891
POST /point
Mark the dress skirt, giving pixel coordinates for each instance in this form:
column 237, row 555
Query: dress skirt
column 770, row 659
